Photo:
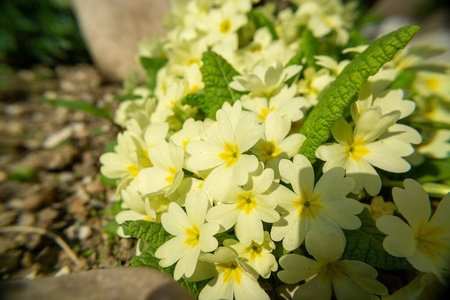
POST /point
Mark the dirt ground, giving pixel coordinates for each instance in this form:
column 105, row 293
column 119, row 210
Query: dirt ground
column 50, row 187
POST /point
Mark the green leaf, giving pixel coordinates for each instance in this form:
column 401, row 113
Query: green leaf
column 432, row 170
column 106, row 181
column 260, row 20
column 366, row 244
column 151, row 66
column 403, row 80
column 342, row 92
column 128, row 97
column 149, row 232
column 114, row 208
column 80, row 106
column 194, row 100
column 149, row 260
column 111, row 145
column 217, row 73
column 111, row 228
column 310, row 47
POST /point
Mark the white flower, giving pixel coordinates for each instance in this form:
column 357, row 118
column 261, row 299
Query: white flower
column 439, row 146
column 121, row 163
column 348, row 279
column 167, row 171
column 357, row 150
column 246, row 206
column 192, row 235
column 321, row 207
column 423, row 241
column 264, row 81
column 139, row 209
column 233, row 280
column 258, row 256
column 276, row 144
column 284, row 102
column 224, row 143
column 191, row 131
column 224, row 22
column 425, row 286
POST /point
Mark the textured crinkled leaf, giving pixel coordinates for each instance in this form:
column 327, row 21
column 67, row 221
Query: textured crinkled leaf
column 217, row 73
column 149, row 232
column 151, row 66
column 260, row 20
column 366, row 244
column 342, row 92
column 194, row 100
column 149, row 260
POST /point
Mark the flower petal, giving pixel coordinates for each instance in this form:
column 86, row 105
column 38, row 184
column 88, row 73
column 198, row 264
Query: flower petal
column 400, row 241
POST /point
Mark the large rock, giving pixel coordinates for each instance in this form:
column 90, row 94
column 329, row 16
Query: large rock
column 111, row 284
column 113, row 28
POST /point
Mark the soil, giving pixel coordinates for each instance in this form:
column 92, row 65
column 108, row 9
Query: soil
column 50, row 186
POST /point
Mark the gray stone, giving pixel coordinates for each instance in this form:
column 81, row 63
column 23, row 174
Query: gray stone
column 113, row 28
column 111, row 284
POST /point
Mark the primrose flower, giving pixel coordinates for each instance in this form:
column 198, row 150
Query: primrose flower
column 233, row 281
column 224, row 23
column 121, row 163
column 276, row 144
column 224, row 143
column 264, row 81
column 423, row 241
column 258, row 256
column 167, row 171
column 246, row 206
column 348, row 279
column 357, row 150
column 284, row 102
column 192, row 235
column 321, row 207
column 139, row 209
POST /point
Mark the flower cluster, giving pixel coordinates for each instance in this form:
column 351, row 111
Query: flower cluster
column 212, row 151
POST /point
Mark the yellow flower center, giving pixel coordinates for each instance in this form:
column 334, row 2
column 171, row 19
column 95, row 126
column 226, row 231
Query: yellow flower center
column 269, row 150
column 193, row 60
column 432, row 84
column 193, row 234
column 254, row 250
column 230, row 155
column 171, row 177
column 133, row 169
column 356, row 150
column 194, row 89
column 144, row 160
column 256, row 48
column 231, row 271
column 264, row 112
column 225, row 26
column 429, row 240
column 308, row 205
column 246, row 202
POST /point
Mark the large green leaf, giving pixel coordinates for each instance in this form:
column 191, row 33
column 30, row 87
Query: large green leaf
column 150, row 232
column 366, row 244
column 217, row 73
column 342, row 92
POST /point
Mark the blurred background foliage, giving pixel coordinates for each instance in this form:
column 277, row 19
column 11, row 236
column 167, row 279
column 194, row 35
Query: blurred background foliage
column 39, row 32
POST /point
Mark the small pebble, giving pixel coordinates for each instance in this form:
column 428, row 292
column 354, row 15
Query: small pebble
column 84, row 232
